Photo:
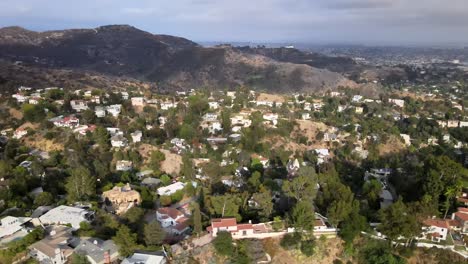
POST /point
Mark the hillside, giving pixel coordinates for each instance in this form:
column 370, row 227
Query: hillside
column 171, row 62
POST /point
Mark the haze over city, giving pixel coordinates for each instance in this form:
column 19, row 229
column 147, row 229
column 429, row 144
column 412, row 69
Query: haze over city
column 371, row 22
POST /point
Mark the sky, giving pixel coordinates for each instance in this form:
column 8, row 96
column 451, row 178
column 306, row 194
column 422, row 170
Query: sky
column 381, row 22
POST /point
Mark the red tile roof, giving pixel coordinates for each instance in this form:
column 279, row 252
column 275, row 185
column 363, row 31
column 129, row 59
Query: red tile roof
column 244, row 226
column 462, row 216
column 454, row 223
column 223, row 222
column 463, row 210
column 436, row 222
column 172, row 212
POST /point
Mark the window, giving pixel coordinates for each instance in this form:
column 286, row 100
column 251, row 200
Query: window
column 244, row 233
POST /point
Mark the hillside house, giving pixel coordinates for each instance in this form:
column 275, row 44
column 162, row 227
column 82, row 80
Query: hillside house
column 68, row 121
column 271, row 117
column 66, row 215
column 171, row 189
column 20, row 98
column 54, row 247
column 136, row 136
column 123, row 165
column 96, row 250
column 167, row 105
column 19, row 133
column 82, row 130
column 100, row 111
column 79, row 105
column 213, row 105
column 462, row 217
column 172, row 220
column 138, row 101
column 119, row 141
column 435, row 229
column 146, row 258
column 120, row 199
column 397, row 102
column 356, row 98
column 10, row 225
column 114, row 110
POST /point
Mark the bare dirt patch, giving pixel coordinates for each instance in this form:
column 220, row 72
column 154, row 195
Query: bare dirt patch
column 170, row 165
column 16, row 114
column 393, row 145
column 41, row 143
column 271, row 98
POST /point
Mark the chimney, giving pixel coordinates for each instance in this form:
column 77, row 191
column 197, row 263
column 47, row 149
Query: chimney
column 95, row 242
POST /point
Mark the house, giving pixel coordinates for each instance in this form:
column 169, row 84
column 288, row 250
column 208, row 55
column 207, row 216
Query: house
column 146, row 258
column 307, row 106
column 406, row 138
column 123, row 165
column 19, row 133
column 54, row 247
column 356, row 98
column 386, row 198
column 68, row 121
column 121, row 198
column 397, row 102
column 124, row 95
column 151, row 182
column 119, row 141
column 100, row 111
column 452, row 123
column 463, row 123
column 305, row 116
column 273, row 118
column 213, row 105
column 435, row 229
column 171, row 189
column 462, row 217
column 231, row 94
column 292, row 167
column 114, row 110
column 96, row 250
column 136, row 136
column 322, row 154
column 178, row 142
column 144, row 173
column 359, row 110
column 172, row 220
column 114, row 131
column 66, row 215
column 20, row 98
column 34, row 100
column 11, row 225
column 82, row 130
column 138, row 101
column 230, row 225
column 167, row 105
column 210, row 117
column 79, row 105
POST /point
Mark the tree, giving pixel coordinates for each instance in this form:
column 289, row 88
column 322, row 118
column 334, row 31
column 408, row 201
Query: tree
column 264, row 203
column 226, row 120
column 223, row 243
column 33, row 113
column 80, row 185
column 397, row 220
column 197, row 219
column 308, row 247
column 226, row 206
column 155, row 160
column 352, row 226
column 379, row 253
column 255, row 180
column 44, row 198
column 303, row 186
column 303, row 216
column 187, row 168
column 79, row 259
column 134, row 215
column 372, row 190
column 126, row 240
column 154, row 234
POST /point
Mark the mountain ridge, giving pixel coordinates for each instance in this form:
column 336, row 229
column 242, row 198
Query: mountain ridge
column 171, row 62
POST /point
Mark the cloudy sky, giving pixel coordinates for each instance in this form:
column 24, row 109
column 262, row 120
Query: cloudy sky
column 311, row 21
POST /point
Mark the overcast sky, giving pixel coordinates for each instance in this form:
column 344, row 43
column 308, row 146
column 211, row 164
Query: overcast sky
column 312, row 21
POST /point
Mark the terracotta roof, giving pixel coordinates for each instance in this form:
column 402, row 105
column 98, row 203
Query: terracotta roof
column 172, row 212
column 436, row 222
column 435, row 234
column 463, row 210
column 462, row 200
column 244, row 226
column 223, row 222
column 454, row 223
column 462, row 216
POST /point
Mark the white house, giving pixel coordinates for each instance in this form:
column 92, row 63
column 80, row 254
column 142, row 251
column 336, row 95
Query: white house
column 136, row 136
column 145, row 258
column 114, row 131
column 356, row 98
column 64, row 215
column 406, row 138
column 114, row 110
column 138, row 101
column 119, row 141
column 305, row 116
column 124, row 95
column 54, row 248
column 172, row 220
column 167, row 105
column 19, row 133
column 68, row 121
column 79, row 105
column 11, row 225
column 213, row 105
column 435, row 229
column 322, row 154
column 273, row 118
column 171, row 189
column 397, row 102
column 99, row 111
column 20, row 98
column 123, row 165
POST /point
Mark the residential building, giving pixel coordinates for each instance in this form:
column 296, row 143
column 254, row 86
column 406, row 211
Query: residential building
column 68, row 121
column 213, row 105
column 435, row 229
column 12, row 225
column 123, row 165
column 79, row 105
column 120, row 199
column 462, row 217
column 172, row 220
column 138, row 101
column 119, row 141
column 397, row 102
column 66, row 215
column 146, row 258
column 19, row 133
column 171, row 189
column 100, row 111
column 136, row 136
column 96, row 250
column 114, row 110
column 54, row 247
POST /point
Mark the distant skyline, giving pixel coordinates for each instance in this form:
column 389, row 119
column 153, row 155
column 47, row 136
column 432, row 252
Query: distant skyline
column 368, row 22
